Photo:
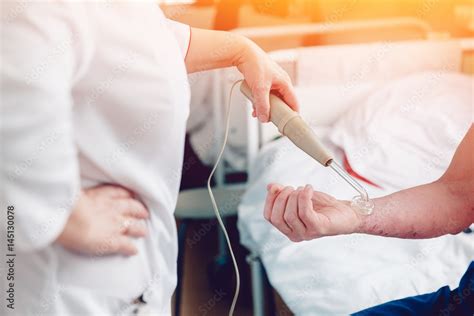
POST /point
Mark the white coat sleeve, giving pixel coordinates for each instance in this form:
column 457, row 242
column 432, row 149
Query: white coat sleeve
column 182, row 33
column 39, row 167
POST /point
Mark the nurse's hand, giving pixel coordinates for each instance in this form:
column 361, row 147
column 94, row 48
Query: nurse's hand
column 264, row 76
column 216, row 49
column 304, row 214
column 103, row 222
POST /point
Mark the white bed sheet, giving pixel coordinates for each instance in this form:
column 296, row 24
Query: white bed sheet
column 340, row 275
column 343, row 274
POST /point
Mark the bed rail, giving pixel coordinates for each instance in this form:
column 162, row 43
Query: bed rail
column 334, row 27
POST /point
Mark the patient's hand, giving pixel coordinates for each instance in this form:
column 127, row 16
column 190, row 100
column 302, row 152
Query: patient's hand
column 304, row 214
column 103, row 222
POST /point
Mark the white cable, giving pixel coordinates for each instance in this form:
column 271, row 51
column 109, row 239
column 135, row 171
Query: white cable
column 214, row 204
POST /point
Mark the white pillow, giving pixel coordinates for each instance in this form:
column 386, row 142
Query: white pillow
column 406, row 133
column 321, row 105
column 354, row 63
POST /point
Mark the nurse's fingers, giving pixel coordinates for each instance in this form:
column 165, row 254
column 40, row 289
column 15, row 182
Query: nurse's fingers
column 292, row 219
column 136, row 229
column 279, row 209
column 272, row 193
column 132, row 207
column 286, row 92
column 261, row 100
column 110, row 191
column 123, row 224
column 124, row 246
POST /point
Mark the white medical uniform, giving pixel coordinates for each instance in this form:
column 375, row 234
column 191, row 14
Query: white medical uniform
column 91, row 93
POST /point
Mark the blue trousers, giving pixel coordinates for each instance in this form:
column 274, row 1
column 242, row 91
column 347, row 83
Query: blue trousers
column 444, row 302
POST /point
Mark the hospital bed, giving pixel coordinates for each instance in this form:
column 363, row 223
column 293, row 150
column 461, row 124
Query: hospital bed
column 329, row 77
column 327, row 80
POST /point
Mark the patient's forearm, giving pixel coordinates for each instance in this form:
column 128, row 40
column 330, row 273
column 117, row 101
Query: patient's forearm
column 430, row 210
column 445, row 206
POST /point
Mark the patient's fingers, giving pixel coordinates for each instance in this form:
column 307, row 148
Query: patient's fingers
column 275, row 187
column 279, row 209
column 321, row 199
column 305, row 208
column 292, row 219
column 273, row 190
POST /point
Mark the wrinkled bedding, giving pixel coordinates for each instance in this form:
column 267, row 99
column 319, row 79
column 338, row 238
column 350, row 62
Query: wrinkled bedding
column 395, row 142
